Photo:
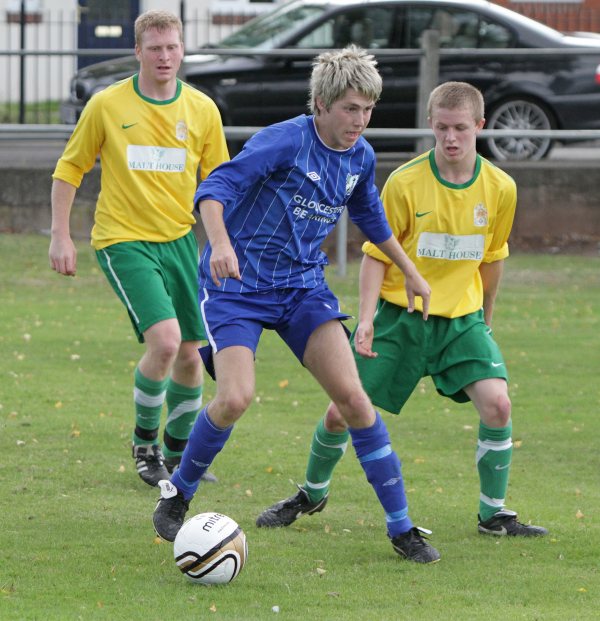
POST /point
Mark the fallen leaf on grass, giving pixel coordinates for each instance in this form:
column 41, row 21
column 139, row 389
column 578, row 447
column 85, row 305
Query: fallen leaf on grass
column 284, row 383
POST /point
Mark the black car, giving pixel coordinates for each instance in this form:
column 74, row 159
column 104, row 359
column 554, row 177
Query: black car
column 559, row 90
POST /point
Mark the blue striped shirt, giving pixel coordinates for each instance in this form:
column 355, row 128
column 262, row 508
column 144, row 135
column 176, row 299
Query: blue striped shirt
column 282, row 195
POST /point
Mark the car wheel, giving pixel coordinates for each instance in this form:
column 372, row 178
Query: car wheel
column 519, row 114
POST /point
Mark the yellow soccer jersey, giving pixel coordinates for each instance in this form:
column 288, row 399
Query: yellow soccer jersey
column 150, row 153
column 447, row 230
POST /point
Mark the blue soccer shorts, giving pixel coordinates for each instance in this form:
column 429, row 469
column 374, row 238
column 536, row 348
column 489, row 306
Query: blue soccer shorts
column 238, row 319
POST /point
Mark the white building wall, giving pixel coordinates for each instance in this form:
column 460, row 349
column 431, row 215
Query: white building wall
column 47, row 77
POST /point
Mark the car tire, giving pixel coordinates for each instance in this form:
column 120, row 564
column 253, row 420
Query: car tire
column 521, row 113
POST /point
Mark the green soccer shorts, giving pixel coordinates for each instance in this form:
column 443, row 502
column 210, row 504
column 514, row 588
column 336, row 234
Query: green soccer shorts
column 454, row 352
column 156, row 281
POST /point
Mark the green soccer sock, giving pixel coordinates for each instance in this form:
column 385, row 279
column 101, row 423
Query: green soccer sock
column 149, row 397
column 326, row 450
column 494, row 453
column 183, row 405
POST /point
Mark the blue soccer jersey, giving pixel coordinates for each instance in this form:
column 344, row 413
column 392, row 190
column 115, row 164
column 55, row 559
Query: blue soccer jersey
column 282, row 195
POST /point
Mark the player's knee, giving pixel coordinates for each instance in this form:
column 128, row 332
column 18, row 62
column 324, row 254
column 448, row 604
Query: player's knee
column 334, row 421
column 165, row 350
column 504, row 407
column 233, row 404
column 356, row 409
column 188, row 359
column 498, row 411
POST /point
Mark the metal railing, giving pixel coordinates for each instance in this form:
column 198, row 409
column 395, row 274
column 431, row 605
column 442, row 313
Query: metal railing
column 46, row 132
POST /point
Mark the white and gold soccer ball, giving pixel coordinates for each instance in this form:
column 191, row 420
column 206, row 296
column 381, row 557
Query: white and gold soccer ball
column 210, row 548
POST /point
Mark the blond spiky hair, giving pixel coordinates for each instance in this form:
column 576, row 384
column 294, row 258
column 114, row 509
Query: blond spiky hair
column 335, row 72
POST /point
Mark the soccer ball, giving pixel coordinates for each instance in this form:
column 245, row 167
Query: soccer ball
column 210, row 548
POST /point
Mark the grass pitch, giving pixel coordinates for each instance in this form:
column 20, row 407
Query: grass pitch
column 77, row 540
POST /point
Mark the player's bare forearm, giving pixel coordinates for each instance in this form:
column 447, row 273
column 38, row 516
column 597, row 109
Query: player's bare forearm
column 62, row 253
column 370, row 280
column 371, row 277
column 415, row 284
column 223, row 260
column 491, row 275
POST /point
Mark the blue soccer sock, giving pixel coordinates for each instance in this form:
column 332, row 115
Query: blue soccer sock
column 382, row 467
column 206, row 440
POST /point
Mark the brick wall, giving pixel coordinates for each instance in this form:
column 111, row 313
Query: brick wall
column 565, row 16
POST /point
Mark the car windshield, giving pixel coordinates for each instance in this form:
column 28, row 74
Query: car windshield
column 266, row 31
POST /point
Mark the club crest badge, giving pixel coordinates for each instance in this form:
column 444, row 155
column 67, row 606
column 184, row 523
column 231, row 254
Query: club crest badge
column 181, row 131
column 351, row 181
column 480, row 215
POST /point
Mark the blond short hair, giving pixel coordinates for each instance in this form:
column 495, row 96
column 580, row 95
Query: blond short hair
column 335, row 72
column 156, row 20
column 454, row 95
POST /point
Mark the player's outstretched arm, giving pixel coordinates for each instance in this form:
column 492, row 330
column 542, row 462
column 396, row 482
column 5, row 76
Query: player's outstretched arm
column 62, row 252
column 223, row 260
column 371, row 277
column 415, row 284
